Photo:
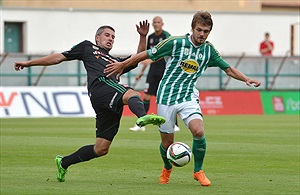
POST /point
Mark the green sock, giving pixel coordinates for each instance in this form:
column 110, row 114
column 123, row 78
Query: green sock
column 199, row 149
column 163, row 154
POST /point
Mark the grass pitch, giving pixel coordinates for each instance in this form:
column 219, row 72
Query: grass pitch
column 245, row 155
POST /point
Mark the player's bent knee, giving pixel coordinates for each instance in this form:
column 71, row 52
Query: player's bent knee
column 131, row 93
column 101, row 151
column 198, row 133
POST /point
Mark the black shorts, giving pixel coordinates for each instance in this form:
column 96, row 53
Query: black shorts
column 152, row 83
column 106, row 98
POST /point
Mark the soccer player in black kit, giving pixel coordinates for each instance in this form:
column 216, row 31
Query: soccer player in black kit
column 156, row 69
column 107, row 96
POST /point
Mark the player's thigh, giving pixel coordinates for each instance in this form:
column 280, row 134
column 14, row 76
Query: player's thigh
column 169, row 113
column 109, row 96
column 107, row 123
column 188, row 112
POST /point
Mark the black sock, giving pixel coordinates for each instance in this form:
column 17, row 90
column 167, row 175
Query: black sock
column 176, row 122
column 84, row 153
column 146, row 105
column 136, row 106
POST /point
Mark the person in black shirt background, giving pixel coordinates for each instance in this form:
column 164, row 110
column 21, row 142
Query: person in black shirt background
column 156, row 69
column 107, row 96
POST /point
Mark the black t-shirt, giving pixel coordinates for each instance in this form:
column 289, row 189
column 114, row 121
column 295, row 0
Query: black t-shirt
column 157, row 67
column 95, row 60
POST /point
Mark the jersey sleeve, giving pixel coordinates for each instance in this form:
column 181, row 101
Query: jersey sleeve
column 76, row 52
column 162, row 49
column 216, row 59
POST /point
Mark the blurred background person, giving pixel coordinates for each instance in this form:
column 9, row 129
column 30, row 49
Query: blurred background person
column 266, row 47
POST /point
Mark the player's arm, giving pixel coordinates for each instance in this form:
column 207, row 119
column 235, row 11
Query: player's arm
column 236, row 74
column 142, row 29
column 48, row 60
column 118, row 67
column 145, row 64
column 154, row 54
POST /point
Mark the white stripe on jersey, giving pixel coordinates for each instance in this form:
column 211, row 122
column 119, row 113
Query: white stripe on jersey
column 168, row 64
column 176, row 80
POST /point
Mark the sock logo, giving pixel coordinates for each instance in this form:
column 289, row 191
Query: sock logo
column 201, row 149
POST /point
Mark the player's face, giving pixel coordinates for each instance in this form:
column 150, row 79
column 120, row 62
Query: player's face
column 106, row 39
column 200, row 33
column 157, row 24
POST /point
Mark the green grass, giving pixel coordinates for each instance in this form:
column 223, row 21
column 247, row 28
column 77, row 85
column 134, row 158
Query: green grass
column 245, row 155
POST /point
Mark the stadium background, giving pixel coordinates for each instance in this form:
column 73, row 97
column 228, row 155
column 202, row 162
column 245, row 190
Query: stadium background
column 54, row 26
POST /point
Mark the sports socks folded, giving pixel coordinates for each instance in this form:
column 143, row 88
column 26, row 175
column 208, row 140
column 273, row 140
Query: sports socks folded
column 199, row 149
column 136, row 106
column 84, row 153
column 163, row 154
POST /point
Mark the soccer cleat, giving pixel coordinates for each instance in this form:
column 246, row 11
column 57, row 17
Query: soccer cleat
column 203, row 180
column 150, row 119
column 137, row 128
column 164, row 177
column 61, row 171
column 176, row 128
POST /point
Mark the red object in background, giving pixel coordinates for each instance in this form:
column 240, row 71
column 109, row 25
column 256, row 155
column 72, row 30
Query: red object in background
column 230, row 102
column 278, row 104
column 221, row 103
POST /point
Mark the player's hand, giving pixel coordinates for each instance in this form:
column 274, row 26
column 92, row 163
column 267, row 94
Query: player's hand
column 143, row 28
column 113, row 68
column 255, row 82
column 20, row 65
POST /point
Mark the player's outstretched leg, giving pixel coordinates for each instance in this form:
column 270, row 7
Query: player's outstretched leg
column 61, row 171
column 150, row 119
column 201, row 177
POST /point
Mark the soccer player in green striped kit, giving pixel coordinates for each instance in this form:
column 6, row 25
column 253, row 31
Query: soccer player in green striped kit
column 187, row 57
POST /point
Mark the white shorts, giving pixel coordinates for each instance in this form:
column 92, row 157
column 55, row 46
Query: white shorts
column 186, row 110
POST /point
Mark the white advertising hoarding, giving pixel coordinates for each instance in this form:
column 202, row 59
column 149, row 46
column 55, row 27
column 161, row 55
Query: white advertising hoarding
column 45, row 102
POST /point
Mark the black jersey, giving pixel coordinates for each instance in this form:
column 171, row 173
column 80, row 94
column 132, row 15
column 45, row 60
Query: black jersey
column 157, row 67
column 95, row 60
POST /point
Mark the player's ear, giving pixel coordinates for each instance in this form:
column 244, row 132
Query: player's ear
column 97, row 39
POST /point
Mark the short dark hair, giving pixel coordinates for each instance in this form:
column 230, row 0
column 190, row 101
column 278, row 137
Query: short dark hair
column 202, row 17
column 101, row 29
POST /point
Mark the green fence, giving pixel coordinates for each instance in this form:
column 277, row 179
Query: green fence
column 276, row 73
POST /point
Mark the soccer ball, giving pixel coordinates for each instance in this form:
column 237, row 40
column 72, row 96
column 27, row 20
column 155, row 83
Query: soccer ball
column 179, row 154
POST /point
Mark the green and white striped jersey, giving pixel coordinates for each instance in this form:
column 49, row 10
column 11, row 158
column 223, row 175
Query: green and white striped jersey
column 185, row 62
